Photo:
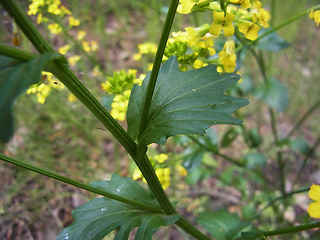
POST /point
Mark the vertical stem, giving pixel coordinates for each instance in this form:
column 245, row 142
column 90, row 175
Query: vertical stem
column 61, row 70
column 157, row 62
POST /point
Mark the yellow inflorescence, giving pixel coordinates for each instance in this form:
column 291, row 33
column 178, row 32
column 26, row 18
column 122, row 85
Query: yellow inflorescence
column 162, row 170
column 314, row 207
column 44, row 9
column 43, row 89
column 120, row 85
column 228, row 57
column 247, row 16
column 315, row 15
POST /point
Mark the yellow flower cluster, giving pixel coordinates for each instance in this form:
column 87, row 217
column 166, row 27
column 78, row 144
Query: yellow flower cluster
column 42, row 89
column 227, row 57
column 120, row 105
column 145, row 48
column 120, row 85
column 198, row 40
column 186, row 6
column 43, row 9
column 38, row 7
column 247, row 16
column 163, row 172
column 314, row 207
column 315, row 15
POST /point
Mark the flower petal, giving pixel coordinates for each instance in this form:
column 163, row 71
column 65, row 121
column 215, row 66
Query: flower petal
column 215, row 29
column 314, row 210
column 314, row 192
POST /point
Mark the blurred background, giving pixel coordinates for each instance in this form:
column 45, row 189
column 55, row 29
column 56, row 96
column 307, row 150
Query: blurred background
column 61, row 135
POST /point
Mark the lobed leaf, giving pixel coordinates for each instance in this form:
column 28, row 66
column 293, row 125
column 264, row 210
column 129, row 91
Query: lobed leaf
column 97, row 218
column 183, row 103
column 15, row 78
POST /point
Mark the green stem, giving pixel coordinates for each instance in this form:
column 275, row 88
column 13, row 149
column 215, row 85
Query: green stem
column 304, row 118
column 15, row 52
column 157, row 63
column 186, row 226
column 67, row 77
column 226, row 157
column 291, row 229
column 304, row 164
column 271, row 203
column 78, row 184
column 285, row 23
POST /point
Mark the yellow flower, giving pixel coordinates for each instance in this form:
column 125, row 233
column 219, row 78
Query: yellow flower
column 245, row 4
column 81, row 35
column 94, row 45
column 72, row 98
column 65, row 10
column 264, row 17
column 197, row 64
column 228, row 57
column 73, row 60
column 86, row 46
column 181, row 170
column 150, row 66
column 164, row 176
column 147, row 47
column 221, row 21
column 73, row 21
column 256, row 4
column 63, row 50
column 249, row 29
column 41, row 90
column 161, row 158
column 315, row 16
column 53, row 7
column 120, row 105
column 34, row 6
column 136, row 174
column 39, row 18
column 314, row 207
column 54, row 28
column 186, row 6
column 50, row 80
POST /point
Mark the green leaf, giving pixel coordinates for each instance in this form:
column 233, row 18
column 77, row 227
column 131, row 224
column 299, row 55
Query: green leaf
column 272, row 42
column 254, row 159
column 300, row 145
column 229, row 137
column 15, row 78
column 274, row 93
column 221, row 224
column 211, row 138
column 254, row 138
column 246, row 85
column 193, row 157
column 183, row 103
column 197, row 175
column 97, row 218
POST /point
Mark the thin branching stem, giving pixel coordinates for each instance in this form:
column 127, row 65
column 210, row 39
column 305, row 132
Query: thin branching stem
column 78, row 184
